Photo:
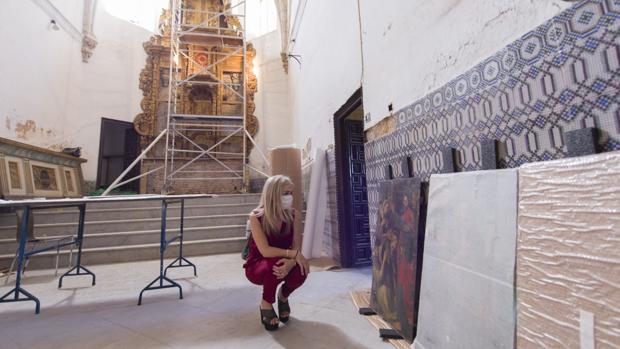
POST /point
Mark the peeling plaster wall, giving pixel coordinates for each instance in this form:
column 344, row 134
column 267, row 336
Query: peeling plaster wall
column 48, row 97
column 412, row 47
column 35, row 76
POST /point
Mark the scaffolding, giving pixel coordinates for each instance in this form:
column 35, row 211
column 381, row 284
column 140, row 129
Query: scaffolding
column 219, row 42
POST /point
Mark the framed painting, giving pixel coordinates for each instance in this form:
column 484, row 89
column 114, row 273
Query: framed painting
column 45, row 179
column 15, row 175
column 394, row 293
column 69, row 177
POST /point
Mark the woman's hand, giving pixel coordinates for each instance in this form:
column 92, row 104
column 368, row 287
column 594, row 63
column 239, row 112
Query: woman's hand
column 303, row 263
column 283, row 267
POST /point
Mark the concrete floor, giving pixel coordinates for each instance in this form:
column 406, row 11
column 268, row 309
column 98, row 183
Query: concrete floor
column 219, row 310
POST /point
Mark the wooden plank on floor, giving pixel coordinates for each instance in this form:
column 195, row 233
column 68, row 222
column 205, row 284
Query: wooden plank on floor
column 361, row 299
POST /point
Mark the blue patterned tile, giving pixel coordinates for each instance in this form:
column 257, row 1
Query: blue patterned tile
column 540, row 121
column 591, row 45
column 603, row 102
column 567, row 96
column 549, row 81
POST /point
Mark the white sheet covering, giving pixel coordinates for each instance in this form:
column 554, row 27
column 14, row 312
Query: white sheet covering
column 312, row 245
column 467, row 294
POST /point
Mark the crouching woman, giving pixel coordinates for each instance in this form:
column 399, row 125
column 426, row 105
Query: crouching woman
column 274, row 255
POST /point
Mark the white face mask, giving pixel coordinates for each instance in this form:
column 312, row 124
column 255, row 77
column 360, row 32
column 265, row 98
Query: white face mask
column 287, row 201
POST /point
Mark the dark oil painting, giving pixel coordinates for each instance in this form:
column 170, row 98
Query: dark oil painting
column 396, row 257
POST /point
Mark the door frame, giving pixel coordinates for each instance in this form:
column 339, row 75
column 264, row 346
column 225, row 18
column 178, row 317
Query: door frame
column 101, row 138
column 343, row 180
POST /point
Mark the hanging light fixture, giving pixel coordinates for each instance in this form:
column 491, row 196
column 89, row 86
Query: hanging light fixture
column 53, row 25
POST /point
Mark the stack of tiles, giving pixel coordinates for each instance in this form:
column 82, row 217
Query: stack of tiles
column 467, row 293
column 568, row 253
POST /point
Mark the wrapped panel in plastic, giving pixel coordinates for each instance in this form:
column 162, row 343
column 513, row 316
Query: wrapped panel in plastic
column 568, row 253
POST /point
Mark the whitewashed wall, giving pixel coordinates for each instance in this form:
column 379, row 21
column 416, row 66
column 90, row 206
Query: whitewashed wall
column 328, row 44
column 412, row 47
column 48, row 96
column 272, row 98
column 35, row 78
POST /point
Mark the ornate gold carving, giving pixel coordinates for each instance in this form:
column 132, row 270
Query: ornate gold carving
column 252, row 125
column 142, row 124
column 252, row 86
column 203, row 60
column 145, row 122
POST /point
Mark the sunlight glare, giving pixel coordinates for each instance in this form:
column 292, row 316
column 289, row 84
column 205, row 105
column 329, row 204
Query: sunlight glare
column 143, row 13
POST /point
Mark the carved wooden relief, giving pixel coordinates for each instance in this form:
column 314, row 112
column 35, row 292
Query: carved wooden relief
column 45, row 178
column 29, row 171
column 198, row 98
column 14, row 175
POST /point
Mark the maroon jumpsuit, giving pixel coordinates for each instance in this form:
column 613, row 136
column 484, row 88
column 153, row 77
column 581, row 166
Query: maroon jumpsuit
column 259, row 270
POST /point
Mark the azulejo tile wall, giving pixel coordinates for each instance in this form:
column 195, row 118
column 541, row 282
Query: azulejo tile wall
column 563, row 75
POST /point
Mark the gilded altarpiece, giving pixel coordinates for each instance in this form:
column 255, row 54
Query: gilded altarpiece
column 202, row 99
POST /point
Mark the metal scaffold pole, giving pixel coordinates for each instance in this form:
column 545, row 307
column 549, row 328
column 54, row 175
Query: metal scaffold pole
column 171, row 99
column 208, row 55
column 205, row 29
column 245, row 106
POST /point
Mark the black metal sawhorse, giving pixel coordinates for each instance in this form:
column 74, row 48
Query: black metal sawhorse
column 158, row 283
column 180, row 259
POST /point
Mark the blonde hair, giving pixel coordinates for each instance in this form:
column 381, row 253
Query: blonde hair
column 271, row 205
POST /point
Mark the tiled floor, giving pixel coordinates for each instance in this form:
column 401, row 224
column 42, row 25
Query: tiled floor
column 220, row 310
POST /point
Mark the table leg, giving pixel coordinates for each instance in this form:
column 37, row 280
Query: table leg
column 162, row 248
column 79, row 270
column 181, row 258
column 15, row 292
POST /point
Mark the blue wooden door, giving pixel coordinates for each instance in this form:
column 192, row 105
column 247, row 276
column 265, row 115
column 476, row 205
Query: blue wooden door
column 357, row 235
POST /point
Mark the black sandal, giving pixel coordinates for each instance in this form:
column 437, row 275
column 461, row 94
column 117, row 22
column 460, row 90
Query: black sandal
column 283, row 307
column 267, row 315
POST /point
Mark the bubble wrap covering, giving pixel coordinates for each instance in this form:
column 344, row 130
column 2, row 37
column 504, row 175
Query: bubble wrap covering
column 568, row 253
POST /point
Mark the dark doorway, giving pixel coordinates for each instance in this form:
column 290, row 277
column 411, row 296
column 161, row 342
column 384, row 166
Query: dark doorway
column 353, row 222
column 118, row 147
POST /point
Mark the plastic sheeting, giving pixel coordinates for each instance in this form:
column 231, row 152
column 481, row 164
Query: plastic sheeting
column 467, row 293
column 312, row 245
column 568, row 253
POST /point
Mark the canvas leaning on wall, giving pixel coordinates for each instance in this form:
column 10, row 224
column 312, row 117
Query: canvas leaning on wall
column 394, row 293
